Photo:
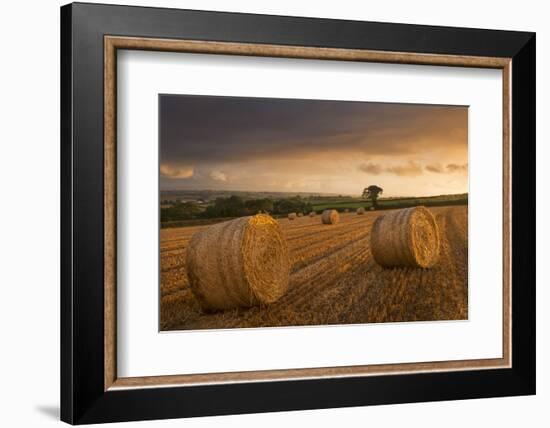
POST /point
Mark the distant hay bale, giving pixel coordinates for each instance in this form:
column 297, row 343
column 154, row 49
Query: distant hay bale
column 238, row 263
column 360, row 210
column 346, row 210
column 312, row 214
column 292, row 216
column 300, row 214
column 330, row 217
column 405, row 238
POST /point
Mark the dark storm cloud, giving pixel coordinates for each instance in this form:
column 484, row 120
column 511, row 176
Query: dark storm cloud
column 209, row 130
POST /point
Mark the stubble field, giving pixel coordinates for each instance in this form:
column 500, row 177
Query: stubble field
column 334, row 279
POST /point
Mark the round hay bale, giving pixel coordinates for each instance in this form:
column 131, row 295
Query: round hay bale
column 300, row 214
column 292, row 216
column 330, row 217
column 346, row 210
column 312, row 214
column 238, row 263
column 405, row 238
column 360, row 211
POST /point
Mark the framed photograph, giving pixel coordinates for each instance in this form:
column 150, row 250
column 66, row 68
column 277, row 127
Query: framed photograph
column 266, row 213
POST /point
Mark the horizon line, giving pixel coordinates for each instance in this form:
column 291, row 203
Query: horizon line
column 309, row 193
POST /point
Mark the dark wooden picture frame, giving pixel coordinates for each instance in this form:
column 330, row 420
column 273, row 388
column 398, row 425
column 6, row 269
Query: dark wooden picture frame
column 90, row 389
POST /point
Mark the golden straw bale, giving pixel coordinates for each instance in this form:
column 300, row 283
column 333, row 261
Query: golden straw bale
column 312, row 214
column 238, row 263
column 330, row 217
column 406, row 238
column 292, row 216
column 360, row 210
column 346, row 210
column 300, row 214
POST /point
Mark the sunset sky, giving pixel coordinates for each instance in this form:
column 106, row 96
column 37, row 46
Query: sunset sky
column 268, row 144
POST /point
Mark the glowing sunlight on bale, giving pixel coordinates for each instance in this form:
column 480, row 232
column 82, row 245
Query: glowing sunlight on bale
column 405, row 238
column 238, row 263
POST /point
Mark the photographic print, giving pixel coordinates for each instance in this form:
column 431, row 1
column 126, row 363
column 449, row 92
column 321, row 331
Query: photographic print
column 292, row 212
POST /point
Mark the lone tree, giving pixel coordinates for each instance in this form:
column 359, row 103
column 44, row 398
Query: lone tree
column 372, row 193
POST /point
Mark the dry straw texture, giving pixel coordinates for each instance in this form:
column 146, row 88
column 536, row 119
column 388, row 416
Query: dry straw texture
column 238, row 263
column 292, row 216
column 330, row 217
column 360, row 210
column 406, row 238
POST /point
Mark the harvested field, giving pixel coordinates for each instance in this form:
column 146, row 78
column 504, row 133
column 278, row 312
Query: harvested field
column 334, row 279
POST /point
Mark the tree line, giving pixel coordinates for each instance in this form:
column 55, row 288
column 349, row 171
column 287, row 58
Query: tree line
column 234, row 206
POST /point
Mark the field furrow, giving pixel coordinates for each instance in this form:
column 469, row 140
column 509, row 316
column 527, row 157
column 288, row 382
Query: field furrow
column 304, row 241
column 334, row 279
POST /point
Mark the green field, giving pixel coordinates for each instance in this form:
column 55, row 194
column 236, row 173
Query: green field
column 320, row 203
column 192, row 214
